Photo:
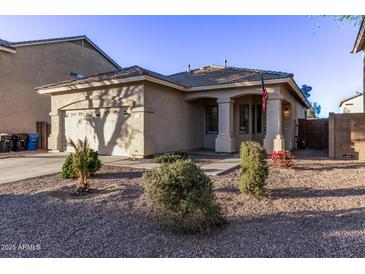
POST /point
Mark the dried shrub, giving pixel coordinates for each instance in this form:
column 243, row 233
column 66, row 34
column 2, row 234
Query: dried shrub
column 181, row 196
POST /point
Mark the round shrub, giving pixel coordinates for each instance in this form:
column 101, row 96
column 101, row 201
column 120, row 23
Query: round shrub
column 168, row 158
column 181, row 195
column 68, row 172
column 254, row 169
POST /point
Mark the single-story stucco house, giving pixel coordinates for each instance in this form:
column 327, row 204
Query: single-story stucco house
column 353, row 104
column 25, row 65
column 138, row 112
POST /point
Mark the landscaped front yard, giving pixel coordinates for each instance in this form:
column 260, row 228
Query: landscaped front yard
column 316, row 209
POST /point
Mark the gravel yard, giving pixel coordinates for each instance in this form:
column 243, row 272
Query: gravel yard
column 316, row 209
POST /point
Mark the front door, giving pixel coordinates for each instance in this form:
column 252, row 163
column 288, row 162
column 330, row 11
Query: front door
column 211, row 126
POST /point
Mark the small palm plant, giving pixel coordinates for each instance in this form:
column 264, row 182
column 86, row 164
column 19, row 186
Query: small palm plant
column 85, row 163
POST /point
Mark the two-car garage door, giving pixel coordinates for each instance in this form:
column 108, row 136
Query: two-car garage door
column 102, row 128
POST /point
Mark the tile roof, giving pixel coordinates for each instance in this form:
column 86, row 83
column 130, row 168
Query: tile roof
column 206, row 76
column 218, row 75
column 128, row 72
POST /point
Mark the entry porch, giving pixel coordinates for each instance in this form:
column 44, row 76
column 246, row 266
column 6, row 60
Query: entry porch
column 229, row 121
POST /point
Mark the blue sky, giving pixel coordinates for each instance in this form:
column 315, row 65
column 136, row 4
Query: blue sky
column 315, row 49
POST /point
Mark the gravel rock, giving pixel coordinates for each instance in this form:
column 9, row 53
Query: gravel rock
column 315, row 209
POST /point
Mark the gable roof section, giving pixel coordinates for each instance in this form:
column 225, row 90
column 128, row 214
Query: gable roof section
column 350, row 98
column 14, row 45
column 360, row 39
column 209, row 77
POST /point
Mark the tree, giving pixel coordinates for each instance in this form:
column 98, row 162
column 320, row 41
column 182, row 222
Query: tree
column 356, row 19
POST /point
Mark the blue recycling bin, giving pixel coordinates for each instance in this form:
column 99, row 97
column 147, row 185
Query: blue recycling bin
column 33, row 140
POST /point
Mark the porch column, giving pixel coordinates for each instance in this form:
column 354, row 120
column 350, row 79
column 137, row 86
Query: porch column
column 274, row 140
column 225, row 141
column 55, row 140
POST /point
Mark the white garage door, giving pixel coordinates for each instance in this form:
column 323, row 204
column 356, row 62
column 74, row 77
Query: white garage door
column 101, row 127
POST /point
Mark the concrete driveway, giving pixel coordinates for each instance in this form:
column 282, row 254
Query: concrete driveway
column 33, row 165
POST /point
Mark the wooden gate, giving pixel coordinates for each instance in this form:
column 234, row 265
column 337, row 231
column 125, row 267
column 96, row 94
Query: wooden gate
column 314, row 133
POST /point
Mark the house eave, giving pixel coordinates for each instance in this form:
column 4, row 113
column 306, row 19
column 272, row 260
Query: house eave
column 297, row 90
column 6, row 49
column 360, row 40
column 235, row 85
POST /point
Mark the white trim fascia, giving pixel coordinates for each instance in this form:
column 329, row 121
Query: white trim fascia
column 235, row 85
column 7, row 49
column 70, row 40
column 358, row 39
column 297, row 90
column 53, row 90
column 164, row 83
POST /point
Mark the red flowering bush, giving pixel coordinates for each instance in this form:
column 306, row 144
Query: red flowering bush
column 282, row 159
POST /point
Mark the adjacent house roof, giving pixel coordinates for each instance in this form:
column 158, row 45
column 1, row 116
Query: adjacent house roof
column 360, row 39
column 14, row 45
column 350, row 98
column 208, row 77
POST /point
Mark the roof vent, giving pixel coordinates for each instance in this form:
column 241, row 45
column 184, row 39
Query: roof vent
column 189, row 69
column 76, row 75
column 225, row 62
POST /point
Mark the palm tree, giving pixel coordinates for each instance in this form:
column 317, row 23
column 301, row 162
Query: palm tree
column 84, row 162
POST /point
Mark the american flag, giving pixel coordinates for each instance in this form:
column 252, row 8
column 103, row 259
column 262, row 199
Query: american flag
column 264, row 94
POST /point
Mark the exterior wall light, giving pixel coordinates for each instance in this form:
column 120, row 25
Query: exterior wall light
column 286, row 112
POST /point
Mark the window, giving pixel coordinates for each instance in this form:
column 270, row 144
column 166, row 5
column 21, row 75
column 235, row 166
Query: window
column 259, row 119
column 244, row 113
column 211, row 116
column 253, row 110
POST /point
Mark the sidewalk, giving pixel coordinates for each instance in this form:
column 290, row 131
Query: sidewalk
column 212, row 169
column 222, row 166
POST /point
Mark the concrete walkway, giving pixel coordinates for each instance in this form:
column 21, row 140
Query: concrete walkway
column 34, row 165
column 217, row 168
column 133, row 164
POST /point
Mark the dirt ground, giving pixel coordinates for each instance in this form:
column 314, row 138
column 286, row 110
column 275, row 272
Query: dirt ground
column 316, row 209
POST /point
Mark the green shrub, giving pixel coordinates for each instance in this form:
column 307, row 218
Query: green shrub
column 181, row 195
column 81, row 164
column 254, row 169
column 169, row 158
column 68, row 171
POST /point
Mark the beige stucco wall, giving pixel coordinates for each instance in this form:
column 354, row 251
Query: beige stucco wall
column 347, row 136
column 171, row 123
column 290, row 123
column 32, row 66
column 128, row 134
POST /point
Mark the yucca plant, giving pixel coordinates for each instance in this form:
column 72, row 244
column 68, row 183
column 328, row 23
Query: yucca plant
column 85, row 163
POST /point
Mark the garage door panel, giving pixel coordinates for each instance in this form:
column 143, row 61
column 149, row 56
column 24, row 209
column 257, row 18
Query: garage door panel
column 102, row 127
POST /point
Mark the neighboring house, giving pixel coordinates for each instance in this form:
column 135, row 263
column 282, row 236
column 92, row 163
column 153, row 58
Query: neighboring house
column 353, row 104
column 134, row 111
column 29, row 64
column 360, row 46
